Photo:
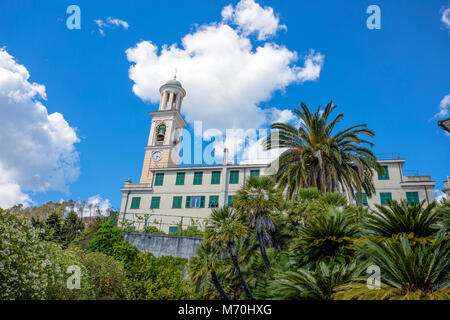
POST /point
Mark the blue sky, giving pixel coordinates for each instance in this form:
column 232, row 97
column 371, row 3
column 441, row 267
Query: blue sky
column 392, row 79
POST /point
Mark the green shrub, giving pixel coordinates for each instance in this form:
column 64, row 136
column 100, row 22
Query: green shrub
column 31, row 268
column 107, row 276
column 107, row 237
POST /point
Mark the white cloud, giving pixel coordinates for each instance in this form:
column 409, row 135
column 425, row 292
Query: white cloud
column 444, row 106
column 226, row 76
column 98, row 203
column 445, row 18
column 110, row 23
column 439, row 195
column 37, row 148
column 253, row 19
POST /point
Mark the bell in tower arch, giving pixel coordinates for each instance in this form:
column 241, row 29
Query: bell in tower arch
column 160, row 134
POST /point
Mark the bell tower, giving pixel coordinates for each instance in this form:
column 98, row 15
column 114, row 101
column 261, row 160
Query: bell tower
column 163, row 145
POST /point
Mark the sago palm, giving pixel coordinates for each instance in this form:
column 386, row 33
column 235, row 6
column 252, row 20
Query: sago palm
column 316, row 157
column 204, row 266
column 318, row 284
column 258, row 198
column 420, row 272
column 402, row 218
column 225, row 226
column 327, row 236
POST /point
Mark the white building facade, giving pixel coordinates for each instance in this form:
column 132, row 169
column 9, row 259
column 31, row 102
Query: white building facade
column 170, row 197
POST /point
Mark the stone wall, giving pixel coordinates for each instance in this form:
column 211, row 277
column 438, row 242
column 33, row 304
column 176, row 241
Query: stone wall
column 163, row 244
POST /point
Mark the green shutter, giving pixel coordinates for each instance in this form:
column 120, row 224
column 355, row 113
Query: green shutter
column 385, row 175
column 202, row 201
column 213, row 202
column 173, row 230
column 364, row 199
column 215, row 177
column 188, row 201
column 234, row 177
column 198, row 178
column 135, row 202
column 180, row 178
column 176, row 202
column 385, row 197
column 230, row 200
column 412, row 197
column 155, row 203
column 254, row 173
column 159, row 179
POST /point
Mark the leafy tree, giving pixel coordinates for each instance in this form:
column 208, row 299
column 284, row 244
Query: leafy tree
column 83, row 239
column 258, row 198
column 53, row 225
column 107, row 276
column 70, row 228
column 107, row 237
column 32, row 268
column 226, row 226
column 318, row 158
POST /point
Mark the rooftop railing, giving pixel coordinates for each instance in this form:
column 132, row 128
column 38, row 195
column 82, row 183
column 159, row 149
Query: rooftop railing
column 388, row 156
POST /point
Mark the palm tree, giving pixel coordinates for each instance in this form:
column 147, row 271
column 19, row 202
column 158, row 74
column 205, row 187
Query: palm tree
column 257, row 199
column 318, row 158
column 407, row 272
column 318, row 284
column 400, row 217
column 225, row 227
column 327, row 236
column 203, row 266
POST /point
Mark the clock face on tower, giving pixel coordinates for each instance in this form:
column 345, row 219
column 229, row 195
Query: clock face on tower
column 156, row 156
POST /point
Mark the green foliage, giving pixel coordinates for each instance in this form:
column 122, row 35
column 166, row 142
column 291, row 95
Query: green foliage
column 107, row 237
column 315, row 157
column 326, row 237
column 70, row 228
column 107, row 276
column 318, row 284
column 407, row 268
column 83, row 239
column 192, row 232
column 31, row 268
column 402, row 218
column 153, row 229
column 161, row 278
column 310, row 203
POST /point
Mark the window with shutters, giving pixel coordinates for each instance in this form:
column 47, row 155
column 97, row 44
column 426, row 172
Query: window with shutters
column 254, row 173
column 135, row 202
column 385, row 198
column 176, row 202
column 215, row 177
column 412, row 197
column 213, row 202
column 234, row 177
column 159, row 179
column 180, row 178
column 385, row 175
column 364, row 199
column 198, row 178
column 155, row 203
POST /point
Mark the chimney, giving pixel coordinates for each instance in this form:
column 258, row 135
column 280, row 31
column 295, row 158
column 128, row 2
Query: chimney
column 225, row 156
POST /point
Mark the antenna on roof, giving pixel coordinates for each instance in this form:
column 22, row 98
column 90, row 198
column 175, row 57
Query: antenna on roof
column 175, row 76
